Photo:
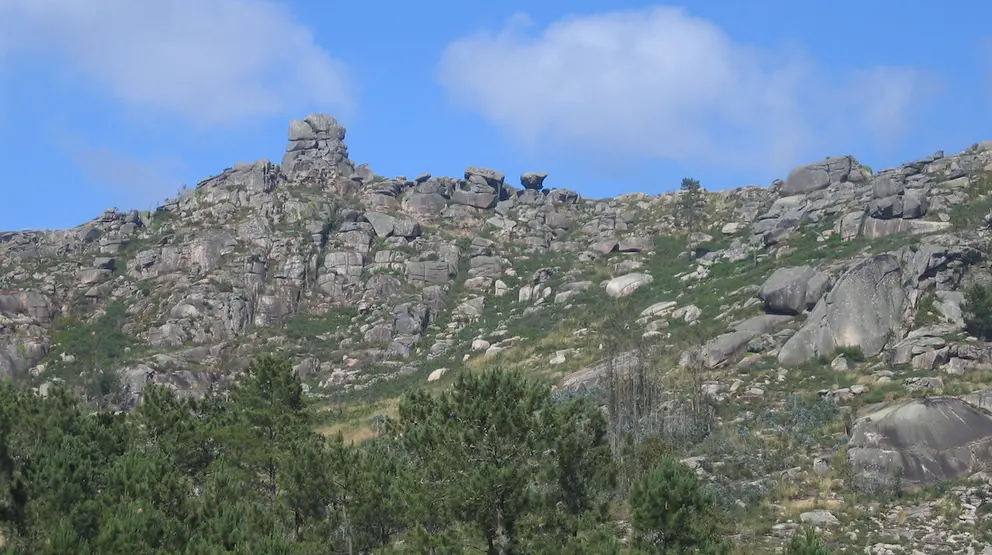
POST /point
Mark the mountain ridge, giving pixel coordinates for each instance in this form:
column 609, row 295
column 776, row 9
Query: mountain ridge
column 835, row 287
column 316, row 184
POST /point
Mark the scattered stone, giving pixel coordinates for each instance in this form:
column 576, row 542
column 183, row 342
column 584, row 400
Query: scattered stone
column 840, row 364
column 819, row 518
column 480, row 345
column 625, row 285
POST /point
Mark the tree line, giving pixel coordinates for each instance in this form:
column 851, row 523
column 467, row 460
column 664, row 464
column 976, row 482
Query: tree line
column 496, row 464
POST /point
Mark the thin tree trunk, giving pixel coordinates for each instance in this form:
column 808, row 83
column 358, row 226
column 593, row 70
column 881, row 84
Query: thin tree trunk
column 347, row 530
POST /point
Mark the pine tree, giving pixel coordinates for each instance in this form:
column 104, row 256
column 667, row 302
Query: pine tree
column 584, row 466
column 307, row 487
column 672, row 514
column 496, row 454
column 148, row 506
column 378, row 505
column 178, row 428
column 691, row 203
column 270, row 417
column 483, row 438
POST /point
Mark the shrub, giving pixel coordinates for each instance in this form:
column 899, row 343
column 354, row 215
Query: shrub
column 852, row 354
column 95, row 346
column 977, row 310
column 808, row 542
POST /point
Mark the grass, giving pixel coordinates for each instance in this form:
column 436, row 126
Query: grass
column 162, row 218
column 926, row 312
column 971, row 214
column 355, row 421
column 95, row 344
column 727, row 288
column 306, row 327
column 95, row 350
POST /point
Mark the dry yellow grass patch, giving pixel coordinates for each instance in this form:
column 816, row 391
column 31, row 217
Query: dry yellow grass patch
column 533, row 356
column 785, row 491
column 352, row 433
column 356, row 421
column 827, row 485
column 481, row 361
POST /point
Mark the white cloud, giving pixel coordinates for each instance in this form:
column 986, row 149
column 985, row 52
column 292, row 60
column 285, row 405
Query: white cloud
column 212, row 62
column 662, row 84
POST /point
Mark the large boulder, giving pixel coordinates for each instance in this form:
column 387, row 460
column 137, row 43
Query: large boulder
column 874, row 228
column 921, row 441
column 595, row 377
column 423, row 204
column 627, row 284
column 725, row 348
column 887, row 185
column 382, row 224
column 475, row 194
column 862, row 310
column 821, row 175
column 793, row 290
column 481, row 188
column 17, row 355
column 886, row 208
column 763, row 323
column 257, row 177
column 533, row 180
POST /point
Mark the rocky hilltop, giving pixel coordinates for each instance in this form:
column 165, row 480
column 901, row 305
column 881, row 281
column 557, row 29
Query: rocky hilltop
column 838, row 282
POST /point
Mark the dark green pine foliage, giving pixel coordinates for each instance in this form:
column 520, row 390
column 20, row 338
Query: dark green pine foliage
column 499, row 457
column 581, row 470
column 265, row 434
column 147, row 506
column 378, row 506
column 178, row 429
column 268, row 419
column 481, row 442
column 978, row 311
column 672, row 515
column 495, row 465
column 690, row 205
column 61, row 454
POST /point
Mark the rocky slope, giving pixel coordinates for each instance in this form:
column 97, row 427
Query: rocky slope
column 836, row 283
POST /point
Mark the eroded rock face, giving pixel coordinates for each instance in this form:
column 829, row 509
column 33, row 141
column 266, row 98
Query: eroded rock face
column 19, row 354
column 765, row 323
column 863, row 310
column 922, row 441
column 384, row 274
column 31, row 304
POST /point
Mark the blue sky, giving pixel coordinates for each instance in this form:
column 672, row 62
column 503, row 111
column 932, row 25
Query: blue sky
column 118, row 103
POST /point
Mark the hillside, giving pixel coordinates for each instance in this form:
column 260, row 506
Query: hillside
column 807, row 356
